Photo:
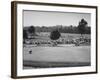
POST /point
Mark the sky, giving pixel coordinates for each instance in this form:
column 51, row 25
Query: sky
column 49, row 18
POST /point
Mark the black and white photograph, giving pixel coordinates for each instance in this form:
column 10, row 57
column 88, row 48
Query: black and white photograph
column 53, row 39
column 56, row 39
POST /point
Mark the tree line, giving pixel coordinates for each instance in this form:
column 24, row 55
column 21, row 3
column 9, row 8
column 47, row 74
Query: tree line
column 81, row 28
column 62, row 29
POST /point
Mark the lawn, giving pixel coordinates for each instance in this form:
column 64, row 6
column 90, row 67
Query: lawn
column 68, row 36
column 63, row 55
column 66, row 56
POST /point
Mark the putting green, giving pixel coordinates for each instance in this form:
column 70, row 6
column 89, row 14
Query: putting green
column 57, row 54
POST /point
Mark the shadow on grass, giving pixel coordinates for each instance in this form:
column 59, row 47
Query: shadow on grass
column 39, row 64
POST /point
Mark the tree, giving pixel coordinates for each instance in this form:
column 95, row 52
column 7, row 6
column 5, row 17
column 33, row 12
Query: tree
column 25, row 35
column 82, row 26
column 31, row 30
column 55, row 35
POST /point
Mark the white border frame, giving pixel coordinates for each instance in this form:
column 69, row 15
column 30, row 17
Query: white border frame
column 35, row 72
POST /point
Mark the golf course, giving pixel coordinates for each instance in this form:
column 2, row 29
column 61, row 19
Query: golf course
column 67, row 56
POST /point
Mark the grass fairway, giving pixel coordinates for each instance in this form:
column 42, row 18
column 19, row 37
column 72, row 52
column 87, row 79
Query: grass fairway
column 56, row 56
